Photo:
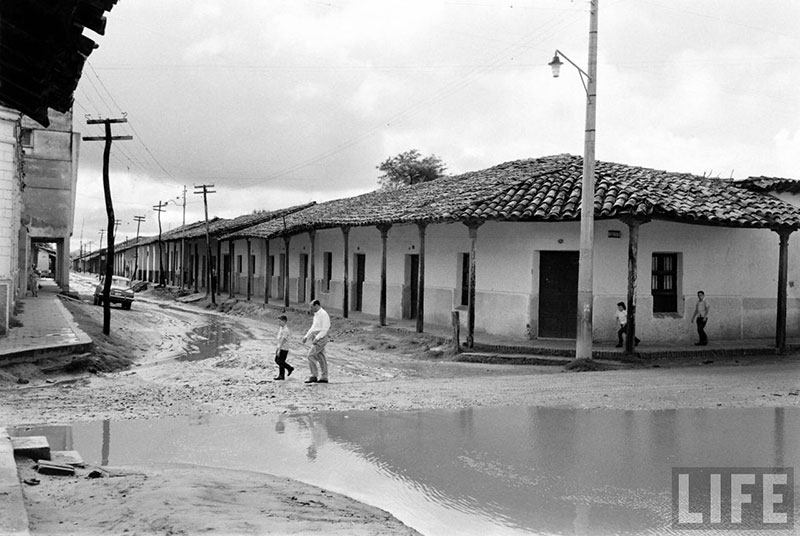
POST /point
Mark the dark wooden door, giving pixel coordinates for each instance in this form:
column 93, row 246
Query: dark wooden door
column 303, row 278
column 411, row 286
column 361, row 262
column 226, row 270
column 558, row 294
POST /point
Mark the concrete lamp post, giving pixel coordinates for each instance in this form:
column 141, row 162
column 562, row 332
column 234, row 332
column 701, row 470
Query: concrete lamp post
column 583, row 346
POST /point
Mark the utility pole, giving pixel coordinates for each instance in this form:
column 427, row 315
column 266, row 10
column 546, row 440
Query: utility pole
column 109, row 208
column 116, row 228
column 100, row 252
column 138, row 220
column 160, row 208
column 211, row 284
column 183, row 240
column 82, row 263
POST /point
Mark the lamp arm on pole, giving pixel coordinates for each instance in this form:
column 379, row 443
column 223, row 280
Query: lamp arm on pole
column 584, row 75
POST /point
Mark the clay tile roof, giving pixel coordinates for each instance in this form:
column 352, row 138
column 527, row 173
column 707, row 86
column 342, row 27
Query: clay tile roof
column 236, row 227
column 621, row 190
column 770, row 184
column 545, row 189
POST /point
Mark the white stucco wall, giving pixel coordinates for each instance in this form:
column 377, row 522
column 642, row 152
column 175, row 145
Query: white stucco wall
column 737, row 269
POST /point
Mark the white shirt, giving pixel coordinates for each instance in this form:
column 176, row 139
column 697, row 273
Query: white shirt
column 622, row 318
column 321, row 323
column 282, row 338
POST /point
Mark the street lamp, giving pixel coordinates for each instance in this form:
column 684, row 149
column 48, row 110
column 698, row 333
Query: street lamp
column 583, row 342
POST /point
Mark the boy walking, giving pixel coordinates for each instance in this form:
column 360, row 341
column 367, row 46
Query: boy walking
column 282, row 350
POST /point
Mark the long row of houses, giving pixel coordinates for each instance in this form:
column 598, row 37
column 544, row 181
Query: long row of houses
column 501, row 245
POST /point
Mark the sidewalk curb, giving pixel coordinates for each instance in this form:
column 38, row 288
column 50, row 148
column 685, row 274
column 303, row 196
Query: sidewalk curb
column 13, row 516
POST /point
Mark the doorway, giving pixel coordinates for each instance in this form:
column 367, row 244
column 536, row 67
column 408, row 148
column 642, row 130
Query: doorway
column 360, row 266
column 303, row 278
column 226, row 272
column 411, row 286
column 558, row 294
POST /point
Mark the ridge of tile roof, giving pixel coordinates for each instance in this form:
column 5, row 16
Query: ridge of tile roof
column 770, row 184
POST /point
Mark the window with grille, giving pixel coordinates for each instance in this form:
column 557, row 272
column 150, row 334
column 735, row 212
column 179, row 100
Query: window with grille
column 664, row 282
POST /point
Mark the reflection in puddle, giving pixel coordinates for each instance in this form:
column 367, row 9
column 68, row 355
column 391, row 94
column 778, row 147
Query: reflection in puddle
column 473, row 471
column 210, row 340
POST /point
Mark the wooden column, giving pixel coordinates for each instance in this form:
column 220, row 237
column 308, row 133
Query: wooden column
column 286, row 241
column 249, row 272
column 268, row 276
column 196, row 267
column 231, row 267
column 473, row 236
column 346, row 294
column 384, row 229
column 421, row 285
column 312, row 238
column 218, row 269
column 783, row 268
column 633, row 256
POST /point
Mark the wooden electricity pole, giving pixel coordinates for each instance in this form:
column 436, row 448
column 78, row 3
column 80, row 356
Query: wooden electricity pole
column 161, row 281
column 138, row 220
column 109, row 209
column 210, row 283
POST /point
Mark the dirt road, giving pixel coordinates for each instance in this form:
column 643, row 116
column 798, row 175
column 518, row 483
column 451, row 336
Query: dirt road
column 185, row 358
column 232, row 372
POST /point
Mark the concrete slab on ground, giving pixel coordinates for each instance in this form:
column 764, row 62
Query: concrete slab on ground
column 13, row 516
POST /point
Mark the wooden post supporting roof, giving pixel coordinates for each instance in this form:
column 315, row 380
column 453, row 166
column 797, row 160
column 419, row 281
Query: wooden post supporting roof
column 267, row 275
column 215, row 273
column 384, row 229
column 196, row 267
column 249, row 272
column 421, row 285
column 231, row 250
column 312, row 238
column 286, row 241
column 346, row 277
column 633, row 264
column 783, row 268
column 473, row 237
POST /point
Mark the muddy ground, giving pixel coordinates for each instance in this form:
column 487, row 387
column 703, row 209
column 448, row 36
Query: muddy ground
column 136, row 373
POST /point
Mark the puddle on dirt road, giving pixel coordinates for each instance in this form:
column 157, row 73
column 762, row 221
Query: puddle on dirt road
column 474, row 471
column 211, row 340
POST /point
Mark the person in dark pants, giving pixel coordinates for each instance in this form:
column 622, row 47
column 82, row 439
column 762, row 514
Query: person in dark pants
column 622, row 322
column 701, row 310
column 282, row 350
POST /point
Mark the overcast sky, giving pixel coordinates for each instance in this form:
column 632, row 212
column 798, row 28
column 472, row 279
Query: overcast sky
column 280, row 102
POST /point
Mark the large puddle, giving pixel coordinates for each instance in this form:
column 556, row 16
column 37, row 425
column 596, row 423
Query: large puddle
column 487, row 471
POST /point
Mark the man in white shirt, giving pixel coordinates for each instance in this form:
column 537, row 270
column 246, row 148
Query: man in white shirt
column 318, row 335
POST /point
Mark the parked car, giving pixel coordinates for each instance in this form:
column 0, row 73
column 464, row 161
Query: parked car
column 120, row 291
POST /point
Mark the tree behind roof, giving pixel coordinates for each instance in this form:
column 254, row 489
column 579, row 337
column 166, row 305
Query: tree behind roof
column 409, row 168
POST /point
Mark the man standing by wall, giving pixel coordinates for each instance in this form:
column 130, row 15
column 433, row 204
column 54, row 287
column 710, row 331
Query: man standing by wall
column 318, row 335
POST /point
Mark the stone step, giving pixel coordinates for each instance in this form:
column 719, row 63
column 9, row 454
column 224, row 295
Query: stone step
column 33, row 447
